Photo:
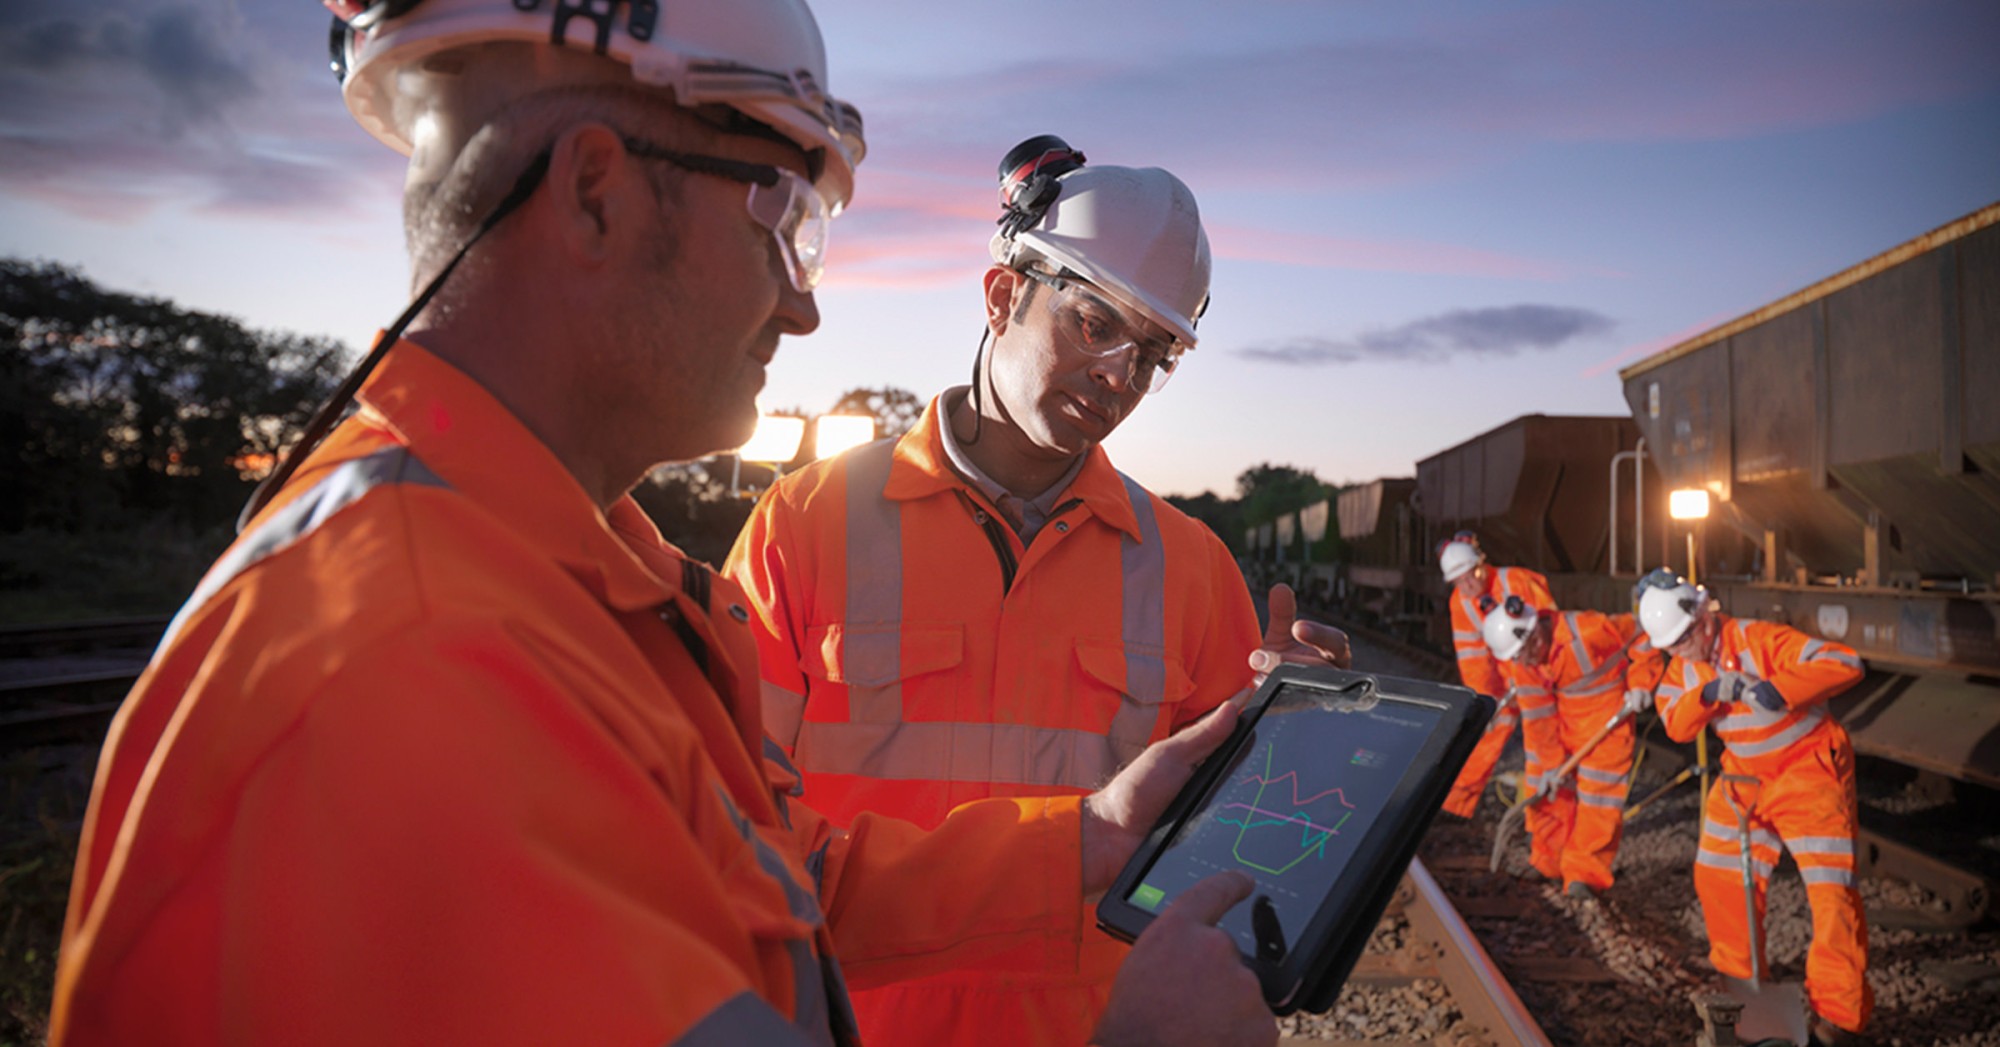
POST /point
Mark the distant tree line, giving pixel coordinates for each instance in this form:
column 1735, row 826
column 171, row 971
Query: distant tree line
column 1264, row 492
column 116, row 408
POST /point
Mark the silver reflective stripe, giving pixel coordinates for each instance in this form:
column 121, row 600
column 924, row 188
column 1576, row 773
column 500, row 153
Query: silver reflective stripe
column 803, row 904
column 743, row 1018
column 1749, row 716
column 1589, row 799
column 1732, row 863
column 1809, row 718
column 1576, row 647
column 1727, row 834
column 1461, row 636
column 1003, row 753
column 1746, row 656
column 783, row 709
column 1820, row 651
column 1143, row 566
column 1537, row 712
column 1827, row 874
column 776, row 754
column 873, row 635
column 301, row 516
column 1837, row 845
column 809, row 1010
column 1592, row 774
column 1506, row 718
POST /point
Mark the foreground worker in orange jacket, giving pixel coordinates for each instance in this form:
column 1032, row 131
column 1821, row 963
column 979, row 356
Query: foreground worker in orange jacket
column 986, row 607
column 1476, row 589
column 1572, row 674
column 451, row 746
column 1764, row 686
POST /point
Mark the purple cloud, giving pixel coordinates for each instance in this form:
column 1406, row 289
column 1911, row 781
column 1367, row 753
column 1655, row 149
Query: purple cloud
column 1502, row 331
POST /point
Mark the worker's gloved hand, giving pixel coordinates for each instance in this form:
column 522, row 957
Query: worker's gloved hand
column 1185, row 983
column 1766, row 695
column 1727, row 688
column 1287, row 639
column 1637, row 700
column 1117, row 817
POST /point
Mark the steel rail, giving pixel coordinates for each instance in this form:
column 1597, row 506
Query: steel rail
column 1482, row 993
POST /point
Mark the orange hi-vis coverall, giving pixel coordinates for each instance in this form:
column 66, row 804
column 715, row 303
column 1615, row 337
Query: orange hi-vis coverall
column 439, row 753
column 1565, row 701
column 1804, row 800
column 1481, row 671
column 916, row 656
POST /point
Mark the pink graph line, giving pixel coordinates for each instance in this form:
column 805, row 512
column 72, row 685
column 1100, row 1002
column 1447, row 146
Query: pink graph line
column 1294, row 776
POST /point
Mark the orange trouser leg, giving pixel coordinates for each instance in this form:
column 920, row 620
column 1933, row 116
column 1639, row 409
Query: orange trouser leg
column 1464, row 798
column 1718, row 880
column 1551, row 817
column 1600, row 791
column 1812, row 806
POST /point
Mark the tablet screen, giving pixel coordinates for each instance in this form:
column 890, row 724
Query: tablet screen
column 1299, row 799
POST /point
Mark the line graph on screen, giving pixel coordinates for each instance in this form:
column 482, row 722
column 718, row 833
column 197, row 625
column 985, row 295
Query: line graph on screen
column 1277, row 827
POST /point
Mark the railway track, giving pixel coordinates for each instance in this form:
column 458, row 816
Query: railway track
column 63, row 683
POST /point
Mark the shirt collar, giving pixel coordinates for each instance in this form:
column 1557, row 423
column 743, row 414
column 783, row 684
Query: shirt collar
column 455, row 426
column 925, row 465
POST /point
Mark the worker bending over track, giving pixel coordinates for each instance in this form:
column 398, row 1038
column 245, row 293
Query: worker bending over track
column 1572, row 675
column 1764, row 686
column 985, row 607
column 1476, row 589
column 451, row 746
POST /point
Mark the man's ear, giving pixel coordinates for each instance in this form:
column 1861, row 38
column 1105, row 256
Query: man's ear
column 1000, row 286
column 592, row 190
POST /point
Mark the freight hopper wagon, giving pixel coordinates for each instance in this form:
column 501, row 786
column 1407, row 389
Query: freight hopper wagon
column 1849, row 438
column 1572, row 497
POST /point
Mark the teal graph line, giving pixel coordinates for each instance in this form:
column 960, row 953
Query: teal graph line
column 1308, row 844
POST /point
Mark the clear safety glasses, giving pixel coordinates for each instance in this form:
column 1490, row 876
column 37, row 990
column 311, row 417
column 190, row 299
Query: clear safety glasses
column 780, row 200
column 1091, row 325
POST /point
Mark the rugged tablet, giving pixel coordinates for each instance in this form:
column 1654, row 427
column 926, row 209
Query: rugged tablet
column 1320, row 795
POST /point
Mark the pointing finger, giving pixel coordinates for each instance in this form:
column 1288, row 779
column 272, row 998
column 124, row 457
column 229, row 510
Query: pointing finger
column 1206, row 901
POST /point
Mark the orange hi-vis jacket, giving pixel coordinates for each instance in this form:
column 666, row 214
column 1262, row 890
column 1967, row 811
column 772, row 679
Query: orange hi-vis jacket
column 1481, row 671
column 439, row 753
column 1565, row 701
column 1802, row 799
column 916, row 656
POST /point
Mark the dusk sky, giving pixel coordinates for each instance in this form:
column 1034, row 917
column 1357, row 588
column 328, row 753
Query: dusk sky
column 1428, row 218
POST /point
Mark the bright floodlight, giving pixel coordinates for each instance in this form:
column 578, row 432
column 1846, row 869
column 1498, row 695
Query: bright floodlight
column 834, row 433
column 776, row 440
column 1690, row 503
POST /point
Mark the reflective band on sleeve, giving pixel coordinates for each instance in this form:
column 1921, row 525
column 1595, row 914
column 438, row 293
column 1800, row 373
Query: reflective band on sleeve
column 743, row 1018
column 303, row 515
column 1821, row 651
column 1143, row 564
column 873, row 636
column 803, row 904
column 1006, row 753
column 776, row 754
column 1827, row 874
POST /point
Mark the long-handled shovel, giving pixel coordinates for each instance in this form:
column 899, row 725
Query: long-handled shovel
column 1550, row 783
column 1746, row 862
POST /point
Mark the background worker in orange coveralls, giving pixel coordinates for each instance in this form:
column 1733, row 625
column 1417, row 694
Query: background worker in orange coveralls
column 1476, row 589
column 1572, row 674
column 986, row 607
column 1764, row 686
column 451, row 746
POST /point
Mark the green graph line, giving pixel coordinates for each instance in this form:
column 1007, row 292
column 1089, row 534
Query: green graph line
column 1236, row 850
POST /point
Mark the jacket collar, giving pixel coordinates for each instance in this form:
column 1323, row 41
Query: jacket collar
column 921, row 469
column 472, row 442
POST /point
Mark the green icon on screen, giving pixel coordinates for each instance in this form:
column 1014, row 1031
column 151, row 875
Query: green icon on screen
column 1147, row 896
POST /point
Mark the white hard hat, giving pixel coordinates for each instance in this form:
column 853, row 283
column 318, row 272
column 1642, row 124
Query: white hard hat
column 1456, row 558
column 1507, row 627
column 763, row 58
column 1134, row 232
column 1668, row 606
